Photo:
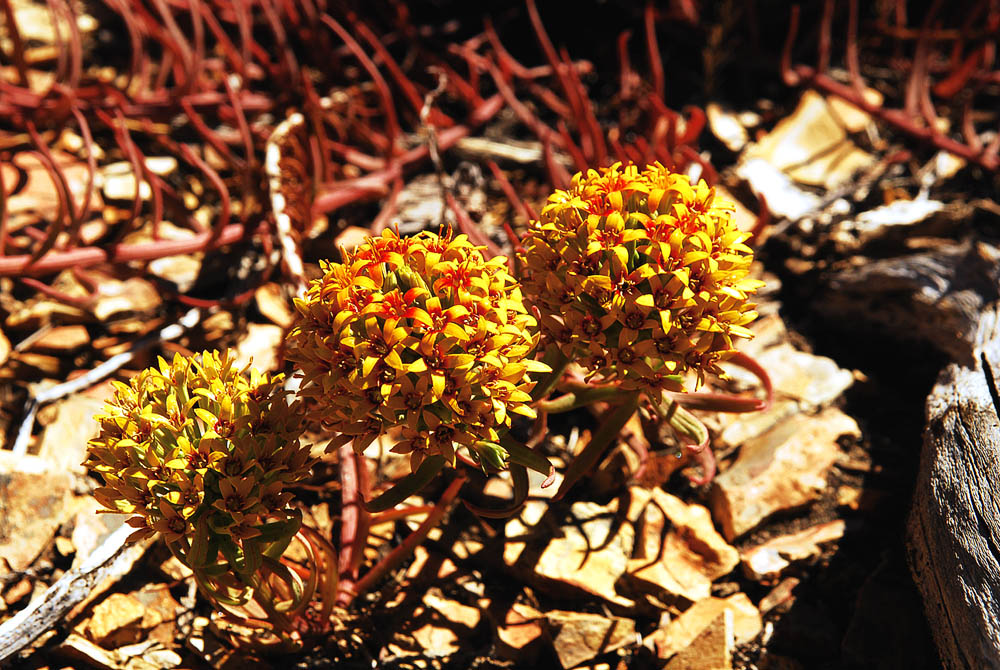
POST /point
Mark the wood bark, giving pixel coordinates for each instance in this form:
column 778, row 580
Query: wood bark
column 949, row 299
column 954, row 528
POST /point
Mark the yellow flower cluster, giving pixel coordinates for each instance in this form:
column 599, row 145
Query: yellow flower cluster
column 196, row 442
column 425, row 333
column 640, row 276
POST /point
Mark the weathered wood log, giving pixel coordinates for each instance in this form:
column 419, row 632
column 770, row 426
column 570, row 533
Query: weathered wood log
column 949, row 298
column 954, row 528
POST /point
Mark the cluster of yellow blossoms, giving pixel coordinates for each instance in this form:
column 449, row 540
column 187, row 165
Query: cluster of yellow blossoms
column 424, row 333
column 640, row 276
column 195, row 441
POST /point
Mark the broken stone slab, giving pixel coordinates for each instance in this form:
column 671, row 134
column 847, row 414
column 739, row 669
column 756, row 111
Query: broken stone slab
column 35, row 498
column 811, row 146
column 61, row 340
column 766, row 562
column 898, row 219
column 802, row 382
column 711, row 650
column 275, row 304
column 117, row 611
column 260, row 346
column 679, row 633
column 578, row 637
column 64, row 442
column 108, row 563
column 678, row 552
column 448, row 623
column 782, row 470
column 589, row 553
column 726, row 126
column 518, row 631
column 782, row 595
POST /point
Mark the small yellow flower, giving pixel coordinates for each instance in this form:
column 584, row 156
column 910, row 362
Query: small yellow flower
column 195, row 439
column 425, row 333
column 640, row 276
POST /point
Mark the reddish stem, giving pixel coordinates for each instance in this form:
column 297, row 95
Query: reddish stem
column 349, row 591
column 118, row 253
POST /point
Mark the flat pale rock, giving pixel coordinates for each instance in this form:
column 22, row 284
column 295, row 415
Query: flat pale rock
column 275, row 305
column 678, row 552
column 115, row 612
column 34, row 498
column 578, row 637
column 260, row 345
column 61, row 340
column 64, row 442
column 520, row 628
column 78, row 648
column 811, row 146
column 711, row 650
column 590, row 553
column 767, row 561
column 782, row 595
column 802, row 382
column 781, row 470
column 682, row 631
column 117, row 299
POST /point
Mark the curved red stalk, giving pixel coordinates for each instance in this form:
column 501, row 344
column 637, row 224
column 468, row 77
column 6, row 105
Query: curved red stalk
column 558, row 175
column 56, row 294
column 693, row 125
column 575, row 152
column 381, row 86
column 389, row 209
column 626, row 75
column 66, row 208
column 591, row 124
column 207, row 133
column 469, row 227
column 437, row 118
column 3, row 217
column 550, row 100
column 350, row 591
column 117, row 253
column 789, row 76
column 558, row 66
column 281, row 38
column 217, row 183
column 17, row 43
column 178, row 45
column 823, row 43
column 88, row 144
column 542, row 131
column 355, row 519
column 522, row 208
column 235, row 59
column 653, row 51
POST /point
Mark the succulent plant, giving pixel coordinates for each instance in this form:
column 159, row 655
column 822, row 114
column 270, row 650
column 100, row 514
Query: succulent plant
column 640, row 276
column 196, row 450
column 423, row 333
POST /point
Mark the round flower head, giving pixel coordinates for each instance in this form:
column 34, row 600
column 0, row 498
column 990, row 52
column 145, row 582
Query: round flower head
column 196, row 444
column 640, row 276
column 425, row 333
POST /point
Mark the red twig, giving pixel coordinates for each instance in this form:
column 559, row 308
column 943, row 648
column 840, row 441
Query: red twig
column 508, row 189
column 396, row 556
column 117, row 253
column 653, row 51
column 388, row 107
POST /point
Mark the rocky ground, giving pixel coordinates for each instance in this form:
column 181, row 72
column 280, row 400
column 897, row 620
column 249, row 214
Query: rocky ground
column 794, row 556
